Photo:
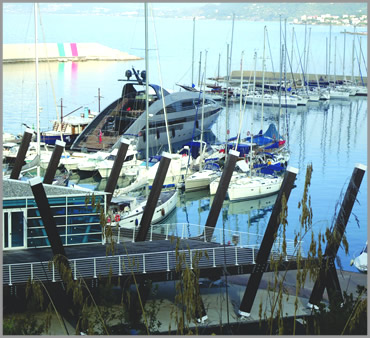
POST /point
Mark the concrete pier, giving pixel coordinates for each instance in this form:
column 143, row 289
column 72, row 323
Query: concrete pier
column 63, row 52
column 273, row 77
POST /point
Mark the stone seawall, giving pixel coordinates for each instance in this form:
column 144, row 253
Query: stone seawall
column 63, row 52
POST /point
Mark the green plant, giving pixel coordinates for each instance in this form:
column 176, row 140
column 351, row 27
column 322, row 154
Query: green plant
column 188, row 303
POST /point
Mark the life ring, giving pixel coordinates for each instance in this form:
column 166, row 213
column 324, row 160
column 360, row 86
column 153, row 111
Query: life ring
column 117, row 218
column 163, row 212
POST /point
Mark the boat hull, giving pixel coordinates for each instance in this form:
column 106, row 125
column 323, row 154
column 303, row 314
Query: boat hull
column 51, row 139
column 200, row 180
column 132, row 219
column 250, row 188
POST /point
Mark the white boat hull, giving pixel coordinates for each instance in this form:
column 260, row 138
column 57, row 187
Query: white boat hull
column 248, row 188
column 200, row 180
column 132, row 218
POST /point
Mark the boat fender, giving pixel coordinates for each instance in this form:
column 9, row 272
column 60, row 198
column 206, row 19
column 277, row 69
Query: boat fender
column 136, row 222
column 117, row 218
column 163, row 212
column 108, row 220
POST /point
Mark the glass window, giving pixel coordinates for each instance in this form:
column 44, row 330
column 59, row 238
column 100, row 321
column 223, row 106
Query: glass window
column 84, row 219
column 31, row 203
column 6, row 230
column 38, row 232
column 81, row 210
column 187, row 105
column 83, row 229
column 76, row 200
column 92, row 238
column 57, row 201
column 37, row 242
column 17, row 225
column 58, row 211
column 14, row 203
column 33, row 213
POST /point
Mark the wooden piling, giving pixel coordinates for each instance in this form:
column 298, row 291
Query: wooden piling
column 116, row 169
column 267, row 243
column 328, row 275
column 21, row 155
column 54, row 162
column 153, row 197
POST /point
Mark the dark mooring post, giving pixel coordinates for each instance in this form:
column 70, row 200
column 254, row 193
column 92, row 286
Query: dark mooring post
column 267, row 242
column 64, row 303
column 201, row 314
column 116, row 169
column 220, row 194
column 47, row 216
column 328, row 275
column 54, row 162
column 153, row 197
column 21, row 155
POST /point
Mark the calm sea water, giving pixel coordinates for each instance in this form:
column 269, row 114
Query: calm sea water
column 333, row 136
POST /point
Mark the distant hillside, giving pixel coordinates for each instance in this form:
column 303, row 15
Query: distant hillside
column 243, row 10
column 272, row 11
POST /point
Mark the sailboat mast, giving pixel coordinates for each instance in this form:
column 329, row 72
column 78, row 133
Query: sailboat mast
column 280, row 79
column 329, row 51
column 146, row 84
column 241, row 100
column 304, row 51
column 218, row 69
column 227, row 98
column 308, row 48
column 192, row 58
column 326, row 61
column 37, row 92
column 232, row 39
column 203, row 103
column 344, row 52
column 291, row 59
column 252, row 117
column 263, row 75
column 200, row 65
column 353, row 59
column 335, row 60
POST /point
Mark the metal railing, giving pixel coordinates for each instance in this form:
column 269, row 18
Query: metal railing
column 189, row 231
column 139, row 263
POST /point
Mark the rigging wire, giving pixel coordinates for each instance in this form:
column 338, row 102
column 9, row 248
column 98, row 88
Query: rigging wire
column 160, row 78
column 271, row 58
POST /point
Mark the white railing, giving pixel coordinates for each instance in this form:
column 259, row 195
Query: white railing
column 190, row 231
column 150, row 262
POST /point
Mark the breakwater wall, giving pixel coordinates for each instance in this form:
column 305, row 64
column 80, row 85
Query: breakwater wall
column 273, row 77
column 63, row 52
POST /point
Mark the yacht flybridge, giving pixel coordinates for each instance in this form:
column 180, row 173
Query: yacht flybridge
column 127, row 117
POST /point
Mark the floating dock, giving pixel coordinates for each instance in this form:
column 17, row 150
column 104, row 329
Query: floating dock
column 63, row 52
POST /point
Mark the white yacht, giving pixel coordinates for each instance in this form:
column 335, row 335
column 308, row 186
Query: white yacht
column 127, row 116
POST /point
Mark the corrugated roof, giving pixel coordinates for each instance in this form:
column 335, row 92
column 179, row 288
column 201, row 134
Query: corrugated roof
column 22, row 189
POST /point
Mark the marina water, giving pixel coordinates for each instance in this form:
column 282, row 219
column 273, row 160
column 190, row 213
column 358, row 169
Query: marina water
column 332, row 136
